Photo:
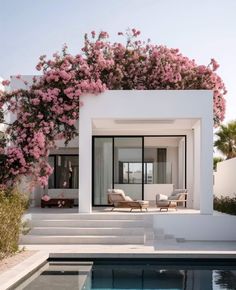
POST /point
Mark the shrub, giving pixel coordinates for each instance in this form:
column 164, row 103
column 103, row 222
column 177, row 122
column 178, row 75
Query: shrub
column 12, row 206
column 48, row 109
column 225, row 204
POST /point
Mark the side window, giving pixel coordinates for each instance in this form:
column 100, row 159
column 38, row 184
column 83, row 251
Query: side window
column 66, row 171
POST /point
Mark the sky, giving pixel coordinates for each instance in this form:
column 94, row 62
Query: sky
column 201, row 29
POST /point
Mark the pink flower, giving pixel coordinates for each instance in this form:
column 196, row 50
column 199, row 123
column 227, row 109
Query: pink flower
column 6, row 83
column 48, row 110
column 64, row 75
column 93, row 34
column 215, row 65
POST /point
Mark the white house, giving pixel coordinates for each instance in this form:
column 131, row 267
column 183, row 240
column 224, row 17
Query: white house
column 144, row 142
column 164, row 135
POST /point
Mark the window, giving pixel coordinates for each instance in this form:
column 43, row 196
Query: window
column 66, row 171
column 131, row 172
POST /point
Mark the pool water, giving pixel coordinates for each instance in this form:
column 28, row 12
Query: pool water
column 132, row 276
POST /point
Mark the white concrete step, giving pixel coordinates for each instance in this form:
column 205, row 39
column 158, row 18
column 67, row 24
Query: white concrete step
column 96, row 231
column 94, row 216
column 88, row 239
column 74, row 228
column 88, row 223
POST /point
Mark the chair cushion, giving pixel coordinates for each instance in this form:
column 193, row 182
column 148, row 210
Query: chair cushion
column 161, row 197
column 115, row 197
column 121, row 191
column 166, row 203
column 128, row 198
column 174, row 196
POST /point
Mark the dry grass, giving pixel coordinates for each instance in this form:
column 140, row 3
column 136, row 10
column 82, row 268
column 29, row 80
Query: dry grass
column 11, row 261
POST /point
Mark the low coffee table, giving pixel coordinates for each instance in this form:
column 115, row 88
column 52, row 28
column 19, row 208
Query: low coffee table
column 58, row 202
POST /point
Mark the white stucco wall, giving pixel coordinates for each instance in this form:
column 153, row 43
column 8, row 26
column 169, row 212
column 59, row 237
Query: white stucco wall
column 216, row 227
column 224, row 178
column 195, row 104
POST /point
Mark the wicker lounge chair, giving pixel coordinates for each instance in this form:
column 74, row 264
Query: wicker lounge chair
column 178, row 197
column 118, row 199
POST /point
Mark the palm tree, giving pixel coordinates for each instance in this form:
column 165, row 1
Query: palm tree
column 216, row 160
column 226, row 142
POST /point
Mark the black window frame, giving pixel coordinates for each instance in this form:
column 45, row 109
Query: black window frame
column 54, row 171
column 133, row 136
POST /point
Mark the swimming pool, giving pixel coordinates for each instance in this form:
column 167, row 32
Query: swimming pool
column 134, row 274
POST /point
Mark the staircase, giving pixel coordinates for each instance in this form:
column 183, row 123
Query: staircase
column 95, row 228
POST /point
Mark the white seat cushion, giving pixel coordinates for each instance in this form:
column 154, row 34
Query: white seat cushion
column 161, row 197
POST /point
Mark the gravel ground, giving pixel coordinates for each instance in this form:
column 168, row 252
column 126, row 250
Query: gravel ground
column 12, row 261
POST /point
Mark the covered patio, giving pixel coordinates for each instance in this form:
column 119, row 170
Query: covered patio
column 118, row 133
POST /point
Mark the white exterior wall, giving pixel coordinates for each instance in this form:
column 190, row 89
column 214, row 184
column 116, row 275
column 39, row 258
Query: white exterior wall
column 216, row 227
column 152, row 105
column 224, row 178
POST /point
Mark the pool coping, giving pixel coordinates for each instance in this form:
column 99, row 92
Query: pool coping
column 24, row 269
column 163, row 255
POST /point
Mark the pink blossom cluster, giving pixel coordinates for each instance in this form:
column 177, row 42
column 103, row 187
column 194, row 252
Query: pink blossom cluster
column 49, row 109
column 16, row 164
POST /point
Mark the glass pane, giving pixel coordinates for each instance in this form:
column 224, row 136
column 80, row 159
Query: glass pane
column 125, row 172
column 51, row 183
column 165, row 160
column 128, row 165
column 67, row 171
column 102, row 179
column 135, row 172
column 149, row 173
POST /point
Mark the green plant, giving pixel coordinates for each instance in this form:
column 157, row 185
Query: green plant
column 12, row 206
column 226, row 140
column 216, row 160
column 225, row 204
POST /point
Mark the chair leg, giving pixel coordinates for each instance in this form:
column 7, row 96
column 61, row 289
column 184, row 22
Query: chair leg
column 131, row 209
column 146, row 209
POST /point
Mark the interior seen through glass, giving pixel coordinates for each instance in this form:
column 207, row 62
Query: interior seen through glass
column 138, row 165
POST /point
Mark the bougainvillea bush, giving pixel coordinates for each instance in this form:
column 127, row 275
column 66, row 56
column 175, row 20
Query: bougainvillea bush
column 48, row 110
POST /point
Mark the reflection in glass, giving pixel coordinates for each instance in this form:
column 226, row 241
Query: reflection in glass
column 66, row 171
column 102, row 169
column 225, row 279
column 128, row 173
column 51, row 180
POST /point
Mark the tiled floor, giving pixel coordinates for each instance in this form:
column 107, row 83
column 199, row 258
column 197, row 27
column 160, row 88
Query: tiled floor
column 151, row 210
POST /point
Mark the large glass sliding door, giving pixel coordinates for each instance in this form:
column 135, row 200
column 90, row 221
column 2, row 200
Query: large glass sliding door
column 128, row 165
column 102, row 169
column 140, row 165
column 117, row 163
